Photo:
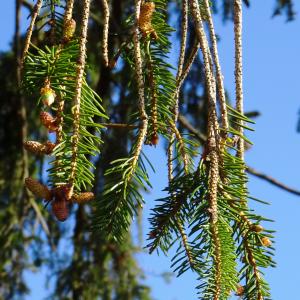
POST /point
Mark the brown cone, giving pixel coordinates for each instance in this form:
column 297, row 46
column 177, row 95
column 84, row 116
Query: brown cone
column 38, row 148
column 83, row 197
column 48, row 121
column 60, row 209
column 38, row 189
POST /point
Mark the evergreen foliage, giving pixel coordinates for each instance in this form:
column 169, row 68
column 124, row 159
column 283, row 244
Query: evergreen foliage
column 205, row 212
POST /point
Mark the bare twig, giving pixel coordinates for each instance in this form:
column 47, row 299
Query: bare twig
column 185, row 123
column 272, row 181
column 35, row 13
column 119, row 125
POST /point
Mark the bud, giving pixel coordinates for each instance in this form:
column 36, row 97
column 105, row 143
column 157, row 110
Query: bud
column 240, row 290
column 48, row 121
column 266, row 242
column 154, row 139
column 69, row 30
column 83, row 197
column 60, row 209
column 257, row 228
column 47, row 95
column 38, row 189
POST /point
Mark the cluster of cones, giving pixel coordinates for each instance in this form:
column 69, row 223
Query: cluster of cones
column 47, row 97
column 61, row 196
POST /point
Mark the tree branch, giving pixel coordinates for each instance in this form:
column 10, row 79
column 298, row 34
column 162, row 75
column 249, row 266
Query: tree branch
column 202, row 138
column 272, row 180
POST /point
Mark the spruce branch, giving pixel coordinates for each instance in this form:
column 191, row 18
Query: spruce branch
column 78, row 87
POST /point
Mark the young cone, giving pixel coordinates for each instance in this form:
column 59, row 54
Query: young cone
column 38, row 189
column 60, row 209
column 83, row 197
column 38, row 148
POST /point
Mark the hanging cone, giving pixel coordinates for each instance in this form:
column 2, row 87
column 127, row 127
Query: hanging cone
column 48, row 121
column 83, row 197
column 154, row 139
column 38, row 189
column 60, row 209
column 38, row 148
column 69, row 30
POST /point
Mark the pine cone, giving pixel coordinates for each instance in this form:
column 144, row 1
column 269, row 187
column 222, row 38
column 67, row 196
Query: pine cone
column 83, row 197
column 38, row 148
column 38, row 189
column 60, row 209
column 48, row 121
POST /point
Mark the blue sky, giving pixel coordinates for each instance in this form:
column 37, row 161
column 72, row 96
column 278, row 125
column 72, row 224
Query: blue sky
column 271, row 86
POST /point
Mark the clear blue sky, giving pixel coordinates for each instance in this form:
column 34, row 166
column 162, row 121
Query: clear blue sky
column 271, row 86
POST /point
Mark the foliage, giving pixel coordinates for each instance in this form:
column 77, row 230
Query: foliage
column 224, row 254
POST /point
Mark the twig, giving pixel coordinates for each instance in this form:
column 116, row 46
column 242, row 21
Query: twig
column 105, row 32
column 119, row 125
column 239, row 71
column 77, row 97
column 185, row 123
column 68, row 12
column 272, row 181
column 141, row 91
column 219, row 75
column 35, row 13
column 184, row 26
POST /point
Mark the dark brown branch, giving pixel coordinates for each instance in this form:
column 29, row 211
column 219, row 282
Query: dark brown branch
column 272, row 181
column 185, row 123
column 120, row 125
